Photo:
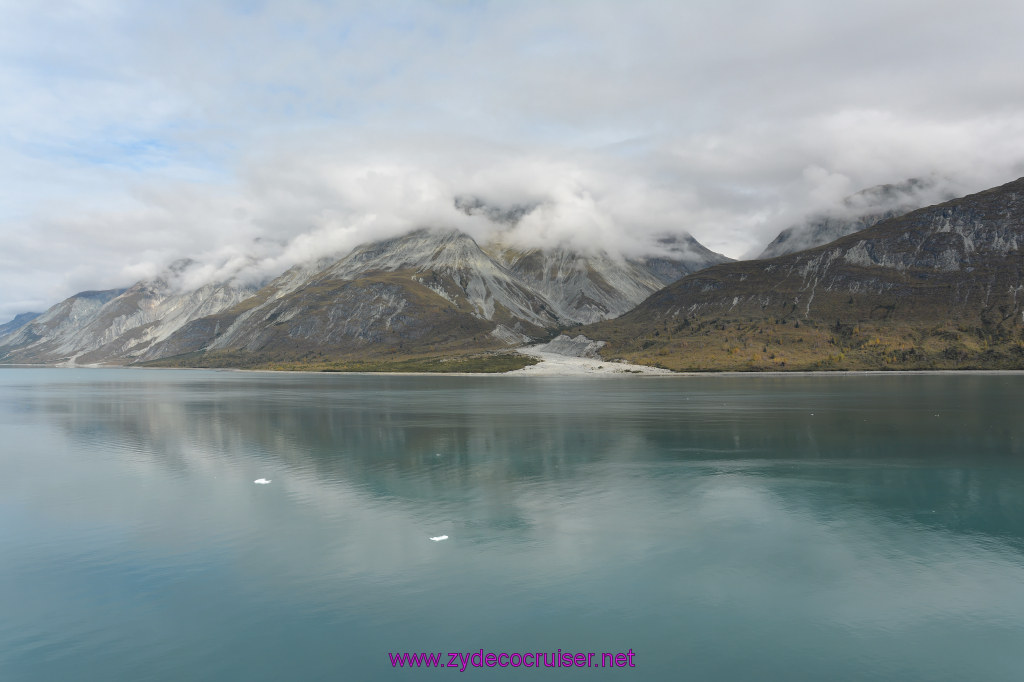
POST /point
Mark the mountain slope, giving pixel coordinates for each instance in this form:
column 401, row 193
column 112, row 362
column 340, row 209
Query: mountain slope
column 427, row 291
column 857, row 212
column 462, row 273
column 587, row 288
column 116, row 326
column 683, row 255
column 34, row 342
column 581, row 288
column 19, row 320
column 937, row 287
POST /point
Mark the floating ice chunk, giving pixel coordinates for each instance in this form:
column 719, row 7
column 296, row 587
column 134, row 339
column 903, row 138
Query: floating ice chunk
column 439, row 538
column 261, row 481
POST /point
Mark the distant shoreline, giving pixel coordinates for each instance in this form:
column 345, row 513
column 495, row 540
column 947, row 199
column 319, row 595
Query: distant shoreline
column 612, row 371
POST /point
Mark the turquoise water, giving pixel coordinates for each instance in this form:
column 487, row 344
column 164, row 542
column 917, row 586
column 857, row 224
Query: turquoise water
column 721, row 528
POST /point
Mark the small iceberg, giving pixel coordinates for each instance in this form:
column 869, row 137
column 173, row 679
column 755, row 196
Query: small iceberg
column 439, row 538
column 261, row 481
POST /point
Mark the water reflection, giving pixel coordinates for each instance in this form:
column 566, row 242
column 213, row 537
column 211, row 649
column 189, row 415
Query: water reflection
column 824, row 527
column 415, row 438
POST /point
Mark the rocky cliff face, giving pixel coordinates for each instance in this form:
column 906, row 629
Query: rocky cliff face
column 583, row 288
column 857, row 212
column 115, row 326
column 963, row 257
column 459, row 272
column 37, row 341
column 682, row 254
column 19, row 321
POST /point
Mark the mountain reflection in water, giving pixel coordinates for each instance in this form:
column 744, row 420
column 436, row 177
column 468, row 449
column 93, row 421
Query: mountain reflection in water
column 837, row 527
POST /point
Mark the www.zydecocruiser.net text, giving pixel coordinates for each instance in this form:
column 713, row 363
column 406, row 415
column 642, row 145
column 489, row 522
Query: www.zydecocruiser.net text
column 461, row 661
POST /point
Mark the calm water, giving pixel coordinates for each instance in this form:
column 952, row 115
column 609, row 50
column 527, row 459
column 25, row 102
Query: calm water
column 723, row 528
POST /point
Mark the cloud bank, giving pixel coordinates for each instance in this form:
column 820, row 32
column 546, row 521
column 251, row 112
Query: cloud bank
column 250, row 135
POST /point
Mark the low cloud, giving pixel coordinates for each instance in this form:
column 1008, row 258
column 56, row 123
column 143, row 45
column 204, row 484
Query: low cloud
column 250, row 137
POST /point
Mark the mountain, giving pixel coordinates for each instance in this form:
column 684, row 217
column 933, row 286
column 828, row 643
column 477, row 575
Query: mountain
column 422, row 292
column 28, row 343
column 426, row 292
column 18, row 321
column 506, row 216
column 580, row 288
column 938, row 287
column 682, row 254
column 857, row 212
column 116, row 326
column 587, row 288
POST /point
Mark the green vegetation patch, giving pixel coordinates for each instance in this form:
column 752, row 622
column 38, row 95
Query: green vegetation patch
column 484, row 363
column 754, row 345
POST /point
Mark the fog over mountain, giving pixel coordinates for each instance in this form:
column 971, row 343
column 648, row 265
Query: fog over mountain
column 860, row 211
column 936, row 288
column 251, row 136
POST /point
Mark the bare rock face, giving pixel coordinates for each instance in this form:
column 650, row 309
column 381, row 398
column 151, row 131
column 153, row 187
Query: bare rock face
column 857, row 212
column 585, row 288
column 576, row 347
column 41, row 339
column 19, row 321
column 460, row 269
column 581, row 288
column 682, row 254
column 116, row 326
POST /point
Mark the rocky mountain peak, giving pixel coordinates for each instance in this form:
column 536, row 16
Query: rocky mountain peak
column 857, row 212
column 16, row 323
column 502, row 215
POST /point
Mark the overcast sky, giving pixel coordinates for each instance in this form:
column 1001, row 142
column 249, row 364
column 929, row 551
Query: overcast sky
column 133, row 133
